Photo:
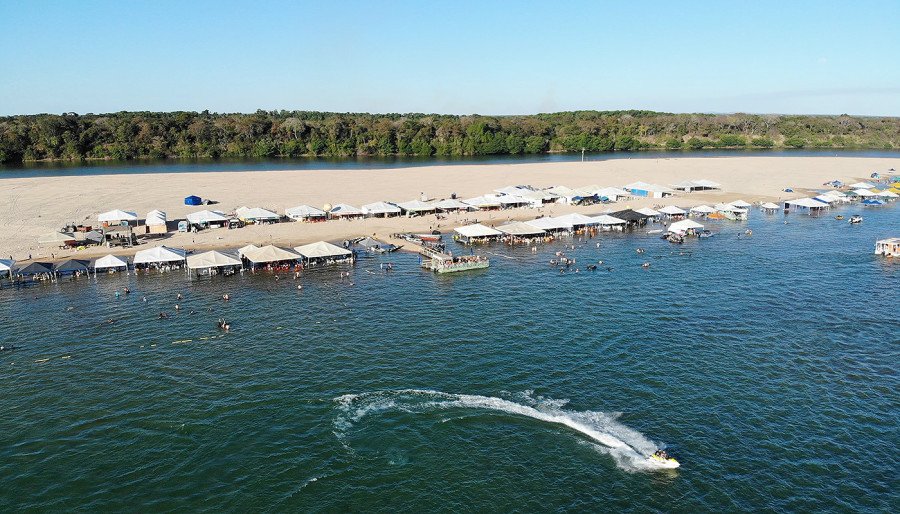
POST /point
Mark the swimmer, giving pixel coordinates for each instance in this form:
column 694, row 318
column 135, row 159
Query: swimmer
column 179, row 297
column 162, row 315
column 299, row 286
column 640, row 250
column 645, row 265
column 144, row 299
column 177, row 307
column 226, row 297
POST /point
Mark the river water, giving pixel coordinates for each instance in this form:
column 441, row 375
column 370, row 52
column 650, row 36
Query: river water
column 769, row 365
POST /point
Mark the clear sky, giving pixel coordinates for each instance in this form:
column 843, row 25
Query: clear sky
column 486, row 57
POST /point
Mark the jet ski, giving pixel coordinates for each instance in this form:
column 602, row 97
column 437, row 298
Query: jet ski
column 661, row 459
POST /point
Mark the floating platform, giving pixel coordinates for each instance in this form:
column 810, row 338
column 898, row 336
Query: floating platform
column 444, row 263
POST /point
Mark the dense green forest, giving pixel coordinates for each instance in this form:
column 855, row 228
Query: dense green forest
column 137, row 135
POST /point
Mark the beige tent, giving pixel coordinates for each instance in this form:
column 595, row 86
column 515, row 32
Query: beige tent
column 323, row 250
column 270, row 254
column 57, row 237
column 211, row 259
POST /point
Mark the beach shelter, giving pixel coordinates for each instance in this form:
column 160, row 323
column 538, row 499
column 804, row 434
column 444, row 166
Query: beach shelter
column 519, row 229
column 384, row 209
column 35, row 268
column 769, row 206
column 155, row 217
column 509, row 201
column 683, row 226
column 71, row 266
column 57, row 237
column 110, row 262
column 342, row 210
column 605, row 220
column 702, row 209
column 255, row 214
column 873, row 202
column 268, row 254
column 116, row 216
column 159, row 255
column 865, row 193
column 206, row 217
column 451, row 204
column 549, row 224
column 609, row 194
column 482, row 202
column 323, row 250
column 477, row 231
column 888, row 194
column 193, row 200
column 375, row 245
column 671, row 210
column 305, row 212
column 575, row 220
column 862, row 185
column 649, row 190
column 417, row 207
column 211, row 259
column 249, row 248
column 6, row 266
column 647, row 211
column 806, row 204
column 741, row 204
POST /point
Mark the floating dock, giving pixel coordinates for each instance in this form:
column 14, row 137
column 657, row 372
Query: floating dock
column 445, row 263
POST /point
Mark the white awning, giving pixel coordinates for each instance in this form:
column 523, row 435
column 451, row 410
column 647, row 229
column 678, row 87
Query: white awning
column 451, row 204
column 576, row 220
column 770, row 206
column 482, row 202
column 211, row 259
column 117, row 215
column 517, row 228
column 160, row 254
column 255, row 213
column 110, row 261
column 6, row 264
column 380, row 208
column 321, row 250
column 606, row 219
column 888, row 194
column 269, row 253
column 671, row 210
column 647, row 211
column 862, row 185
column 644, row 186
column 417, row 206
column 244, row 249
column 807, row 203
column 155, row 217
column 477, row 230
column 343, row 209
column 549, row 224
column 742, row 204
column 864, row 192
column 304, row 211
column 703, row 209
column 205, row 216
column 680, row 227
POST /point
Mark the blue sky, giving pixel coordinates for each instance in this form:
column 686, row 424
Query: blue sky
column 487, row 57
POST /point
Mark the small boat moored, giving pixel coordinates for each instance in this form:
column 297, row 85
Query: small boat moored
column 856, row 218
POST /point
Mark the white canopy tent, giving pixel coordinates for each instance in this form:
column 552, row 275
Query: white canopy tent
column 117, row 216
column 700, row 184
column 304, row 212
column 244, row 249
column 6, row 266
column 549, row 224
column 513, row 190
column 323, row 250
column 482, row 202
column 769, row 206
column 380, row 209
column 343, row 209
column 256, row 214
column 159, row 255
column 612, row 194
column 681, row 227
column 211, row 259
column 671, row 210
column 155, row 217
column 741, row 204
column 110, row 262
column 519, row 229
column 268, row 254
column 888, row 194
column 509, row 201
column 865, row 193
column 703, row 209
column 417, row 206
column 862, row 185
column 576, row 220
column 206, row 217
column 806, row 203
column 647, row 211
column 607, row 220
column 451, row 204
column 477, row 230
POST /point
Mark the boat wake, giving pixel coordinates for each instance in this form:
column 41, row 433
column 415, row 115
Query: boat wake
column 629, row 448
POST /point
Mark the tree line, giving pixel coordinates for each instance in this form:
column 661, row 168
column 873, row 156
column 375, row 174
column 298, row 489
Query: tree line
column 272, row 134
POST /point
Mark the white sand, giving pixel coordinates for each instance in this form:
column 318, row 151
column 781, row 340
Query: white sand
column 30, row 207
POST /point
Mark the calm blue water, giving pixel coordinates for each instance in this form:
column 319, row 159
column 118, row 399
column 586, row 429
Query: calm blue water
column 59, row 169
column 769, row 365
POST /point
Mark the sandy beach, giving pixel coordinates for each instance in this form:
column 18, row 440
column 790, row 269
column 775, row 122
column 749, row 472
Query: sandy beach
column 30, row 207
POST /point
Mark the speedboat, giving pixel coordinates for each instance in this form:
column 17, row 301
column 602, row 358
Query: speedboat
column 663, row 460
column 856, row 218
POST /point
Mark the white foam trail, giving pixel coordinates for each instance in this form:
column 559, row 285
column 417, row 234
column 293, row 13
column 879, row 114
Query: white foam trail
column 628, row 447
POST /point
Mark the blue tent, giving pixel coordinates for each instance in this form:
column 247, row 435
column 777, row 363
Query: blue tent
column 192, row 200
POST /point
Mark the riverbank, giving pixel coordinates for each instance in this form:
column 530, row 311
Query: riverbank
column 30, row 207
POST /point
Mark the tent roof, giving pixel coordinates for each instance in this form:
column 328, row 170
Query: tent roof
column 684, row 225
column 451, row 203
column 728, row 207
column 304, row 211
column 547, row 223
column 629, row 215
column 6, row 264
column 211, row 259
column 155, row 217
column 72, row 265
column 343, row 209
column 56, row 237
column 35, row 268
column 561, row 191
column 380, row 208
column 269, row 253
column 417, row 206
column 482, row 201
column 255, row 213
column 159, row 254
column 244, row 249
column 537, row 195
column 769, row 205
column 368, row 242
column 742, row 204
column 644, row 186
column 477, row 230
column 513, row 190
column 206, row 216
column 648, row 211
column 671, row 209
column 862, row 185
column 322, row 249
column 888, row 194
column 117, row 215
column 807, row 202
column 606, row 219
column 517, row 228
column 704, row 209
column 110, row 261
column 574, row 219
column 511, row 200
column 609, row 191
column 863, row 192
